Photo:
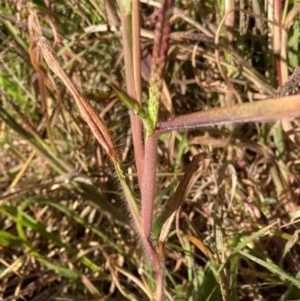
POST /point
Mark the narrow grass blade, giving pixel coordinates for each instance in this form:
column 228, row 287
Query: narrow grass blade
column 214, row 264
column 78, row 219
column 15, row 35
column 29, row 222
column 206, row 251
column 180, row 193
column 37, row 143
column 293, row 292
column 59, row 165
column 58, row 269
column 130, row 103
column 234, row 266
column 289, row 245
column 251, row 238
column 91, row 117
column 9, row 240
column 210, row 290
column 273, row 268
column 260, row 111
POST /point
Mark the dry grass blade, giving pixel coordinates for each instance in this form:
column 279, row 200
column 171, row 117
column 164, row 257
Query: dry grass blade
column 134, row 280
column 42, row 78
column 174, row 206
column 181, row 192
column 161, row 274
column 205, row 250
column 94, row 121
column 260, row 111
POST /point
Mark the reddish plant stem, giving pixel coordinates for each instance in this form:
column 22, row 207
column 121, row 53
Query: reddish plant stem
column 136, row 123
column 277, row 35
column 152, row 255
column 278, row 67
column 133, row 210
column 148, row 184
column 136, row 27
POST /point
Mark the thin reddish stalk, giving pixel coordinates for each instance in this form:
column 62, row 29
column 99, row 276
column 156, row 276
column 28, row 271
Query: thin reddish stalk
column 136, row 28
column 160, row 47
column 135, row 121
column 148, row 194
column 148, row 185
column 277, row 34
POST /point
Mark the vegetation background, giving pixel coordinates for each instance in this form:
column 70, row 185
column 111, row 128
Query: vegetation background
column 66, row 233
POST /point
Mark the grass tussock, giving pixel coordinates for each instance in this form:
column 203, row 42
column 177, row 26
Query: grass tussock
column 223, row 228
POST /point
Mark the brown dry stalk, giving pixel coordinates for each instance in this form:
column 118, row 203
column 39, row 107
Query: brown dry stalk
column 160, row 276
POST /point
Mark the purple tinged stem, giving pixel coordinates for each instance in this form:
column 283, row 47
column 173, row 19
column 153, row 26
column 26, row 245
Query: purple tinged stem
column 131, row 81
column 148, row 184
